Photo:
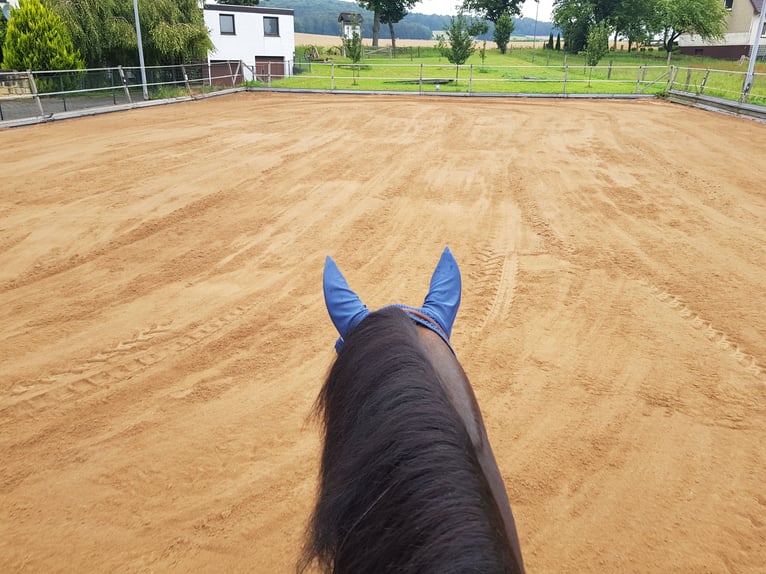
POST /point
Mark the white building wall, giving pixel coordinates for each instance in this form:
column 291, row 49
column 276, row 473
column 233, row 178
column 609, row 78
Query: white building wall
column 249, row 40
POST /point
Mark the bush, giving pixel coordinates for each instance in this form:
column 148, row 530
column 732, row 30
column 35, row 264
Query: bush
column 36, row 39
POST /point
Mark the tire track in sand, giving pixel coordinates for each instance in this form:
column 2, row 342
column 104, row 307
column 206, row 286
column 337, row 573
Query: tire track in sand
column 717, row 337
column 110, row 366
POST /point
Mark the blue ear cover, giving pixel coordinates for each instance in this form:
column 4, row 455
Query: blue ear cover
column 344, row 306
column 443, row 299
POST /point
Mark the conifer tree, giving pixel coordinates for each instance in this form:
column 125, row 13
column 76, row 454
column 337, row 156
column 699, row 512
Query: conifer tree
column 36, row 39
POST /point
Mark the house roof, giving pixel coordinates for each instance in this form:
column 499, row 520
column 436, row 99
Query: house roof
column 350, row 18
column 250, row 9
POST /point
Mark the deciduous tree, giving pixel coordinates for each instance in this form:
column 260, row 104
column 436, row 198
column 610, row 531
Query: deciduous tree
column 100, row 30
column 104, row 30
column 492, row 10
column 598, row 43
column 387, row 11
column 503, row 30
column 706, row 18
column 574, row 17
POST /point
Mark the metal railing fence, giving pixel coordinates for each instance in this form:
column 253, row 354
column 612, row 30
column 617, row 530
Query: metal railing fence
column 42, row 94
column 32, row 94
column 554, row 80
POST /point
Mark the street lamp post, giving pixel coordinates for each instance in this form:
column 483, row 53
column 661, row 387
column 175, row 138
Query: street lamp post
column 537, row 11
column 753, row 56
column 140, row 49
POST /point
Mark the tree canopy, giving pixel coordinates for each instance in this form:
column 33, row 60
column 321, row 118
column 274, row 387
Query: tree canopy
column 387, row 11
column 492, row 10
column 640, row 20
column 706, row 18
column 503, row 31
column 104, row 31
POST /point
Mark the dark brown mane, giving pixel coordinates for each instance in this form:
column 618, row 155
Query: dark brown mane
column 401, row 488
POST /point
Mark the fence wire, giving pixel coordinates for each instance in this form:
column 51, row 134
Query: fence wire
column 34, row 94
column 43, row 94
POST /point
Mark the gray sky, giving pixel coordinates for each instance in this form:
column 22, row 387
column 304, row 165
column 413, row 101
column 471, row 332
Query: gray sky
column 449, row 7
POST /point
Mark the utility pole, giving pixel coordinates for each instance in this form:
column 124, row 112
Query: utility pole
column 140, row 50
column 753, row 55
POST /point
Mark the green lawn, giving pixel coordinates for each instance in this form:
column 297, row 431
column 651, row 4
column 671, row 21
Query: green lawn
column 530, row 71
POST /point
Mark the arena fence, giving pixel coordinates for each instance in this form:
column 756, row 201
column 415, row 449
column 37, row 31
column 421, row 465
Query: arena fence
column 41, row 94
column 555, row 80
column 30, row 94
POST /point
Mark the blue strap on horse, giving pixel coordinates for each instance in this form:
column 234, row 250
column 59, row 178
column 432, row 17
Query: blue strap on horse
column 438, row 312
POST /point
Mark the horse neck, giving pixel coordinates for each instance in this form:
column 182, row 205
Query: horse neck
column 458, row 389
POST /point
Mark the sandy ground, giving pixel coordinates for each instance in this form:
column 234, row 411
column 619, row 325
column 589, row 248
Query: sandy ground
column 163, row 333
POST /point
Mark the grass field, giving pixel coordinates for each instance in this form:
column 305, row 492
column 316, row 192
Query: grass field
column 529, row 71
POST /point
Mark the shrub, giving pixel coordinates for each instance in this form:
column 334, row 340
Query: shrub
column 36, row 39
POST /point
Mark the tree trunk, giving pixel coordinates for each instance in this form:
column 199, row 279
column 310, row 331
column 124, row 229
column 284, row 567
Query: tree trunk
column 393, row 38
column 375, row 29
column 615, row 40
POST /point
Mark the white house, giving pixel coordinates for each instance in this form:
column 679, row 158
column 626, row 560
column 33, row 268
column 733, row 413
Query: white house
column 741, row 31
column 262, row 38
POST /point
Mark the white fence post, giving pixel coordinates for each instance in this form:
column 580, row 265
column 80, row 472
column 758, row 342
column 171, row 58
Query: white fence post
column 124, row 83
column 33, row 86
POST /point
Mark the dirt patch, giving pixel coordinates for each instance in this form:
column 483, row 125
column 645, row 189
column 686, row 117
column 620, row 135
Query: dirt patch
column 163, row 334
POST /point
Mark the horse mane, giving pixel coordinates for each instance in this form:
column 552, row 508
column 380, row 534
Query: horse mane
column 401, row 488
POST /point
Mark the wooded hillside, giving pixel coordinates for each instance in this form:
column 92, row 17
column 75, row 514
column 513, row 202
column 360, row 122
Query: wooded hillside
column 321, row 17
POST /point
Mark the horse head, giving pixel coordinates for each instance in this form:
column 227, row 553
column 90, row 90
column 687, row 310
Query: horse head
column 437, row 313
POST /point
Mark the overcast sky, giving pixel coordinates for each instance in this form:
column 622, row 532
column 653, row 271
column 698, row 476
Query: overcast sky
column 449, row 7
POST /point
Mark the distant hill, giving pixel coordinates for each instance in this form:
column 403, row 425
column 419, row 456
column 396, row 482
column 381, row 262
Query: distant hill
column 321, row 17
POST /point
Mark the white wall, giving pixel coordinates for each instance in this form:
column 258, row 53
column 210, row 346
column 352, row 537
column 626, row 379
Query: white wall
column 249, row 39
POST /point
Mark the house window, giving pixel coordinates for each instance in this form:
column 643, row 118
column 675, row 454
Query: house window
column 270, row 26
column 728, row 4
column 227, row 23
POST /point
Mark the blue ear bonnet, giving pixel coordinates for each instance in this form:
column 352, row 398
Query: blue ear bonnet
column 438, row 312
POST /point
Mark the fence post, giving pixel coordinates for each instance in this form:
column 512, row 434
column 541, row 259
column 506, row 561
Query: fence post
column 704, row 80
column 33, row 86
column 124, row 83
column 63, row 93
column 566, row 73
column 638, row 79
column 688, row 79
column 470, row 79
column 609, row 74
column 231, row 73
column 669, row 85
column 268, row 83
column 420, row 82
column 186, row 79
column 332, row 76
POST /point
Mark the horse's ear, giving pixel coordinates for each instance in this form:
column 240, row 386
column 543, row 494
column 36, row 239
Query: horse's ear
column 344, row 306
column 443, row 299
